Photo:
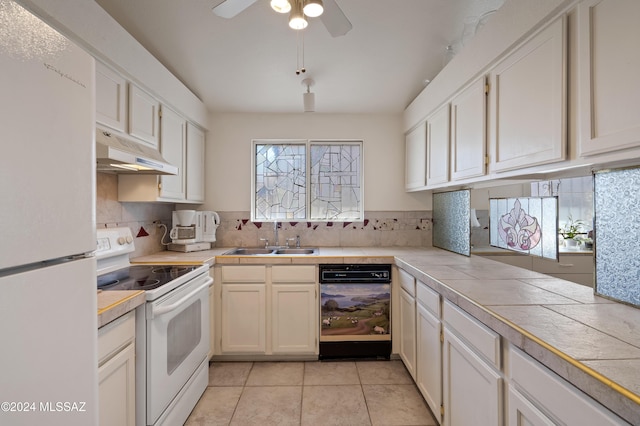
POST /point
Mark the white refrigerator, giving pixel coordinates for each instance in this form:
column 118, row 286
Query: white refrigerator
column 48, row 307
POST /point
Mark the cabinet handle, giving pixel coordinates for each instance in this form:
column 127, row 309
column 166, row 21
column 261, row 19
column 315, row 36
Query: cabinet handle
column 565, row 265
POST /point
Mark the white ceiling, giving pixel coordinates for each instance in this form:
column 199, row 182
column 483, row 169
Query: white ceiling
column 248, row 63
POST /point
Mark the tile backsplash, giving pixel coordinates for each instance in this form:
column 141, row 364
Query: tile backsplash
column 388, row 228
column 137, row 216
column 380, row 228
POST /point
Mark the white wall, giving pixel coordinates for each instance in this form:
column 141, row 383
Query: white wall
column 228, row 155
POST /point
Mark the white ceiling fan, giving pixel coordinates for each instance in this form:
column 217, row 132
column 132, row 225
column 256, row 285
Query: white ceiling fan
column 329, row 12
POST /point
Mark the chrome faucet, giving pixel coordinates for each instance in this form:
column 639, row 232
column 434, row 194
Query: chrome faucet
column 275, row 233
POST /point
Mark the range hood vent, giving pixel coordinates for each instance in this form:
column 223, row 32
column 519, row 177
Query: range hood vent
column 115, row 153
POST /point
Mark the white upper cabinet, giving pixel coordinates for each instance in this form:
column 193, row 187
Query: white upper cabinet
column 609, row 64
column 438, row 146
column 468, row 132
column 416, row 158
column 111, row 95
column 144, row 115
column 528, row 101
column 195, row 163
column 173, row 149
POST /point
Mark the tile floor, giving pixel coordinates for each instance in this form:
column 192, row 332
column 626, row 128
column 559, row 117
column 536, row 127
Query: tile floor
column 310, row 393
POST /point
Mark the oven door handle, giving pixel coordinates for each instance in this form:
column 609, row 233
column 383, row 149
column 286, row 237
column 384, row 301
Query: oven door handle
column 156, row 312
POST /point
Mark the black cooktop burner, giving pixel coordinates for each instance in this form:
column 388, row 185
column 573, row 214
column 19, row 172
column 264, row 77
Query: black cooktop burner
column 142, row 277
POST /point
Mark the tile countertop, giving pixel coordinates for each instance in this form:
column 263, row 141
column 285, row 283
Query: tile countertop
column 590, row 341
column 113, row 304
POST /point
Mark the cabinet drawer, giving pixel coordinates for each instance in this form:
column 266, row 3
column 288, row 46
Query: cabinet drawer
column 428, row 298
column 407, row 282
column 244, row 274
column 552, row 394
column 568, row 264
column 293, row 274
column 116, row 335
column 484, row 340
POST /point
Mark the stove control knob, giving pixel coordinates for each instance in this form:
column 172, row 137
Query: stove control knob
column 121, row 241
column 129, row 239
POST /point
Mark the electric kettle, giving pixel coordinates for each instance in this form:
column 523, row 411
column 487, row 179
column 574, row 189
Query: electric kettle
column 210, row 221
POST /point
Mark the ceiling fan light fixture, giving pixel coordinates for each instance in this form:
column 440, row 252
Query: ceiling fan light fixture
column 296, row 17
column 313, row 8
column 281, row 6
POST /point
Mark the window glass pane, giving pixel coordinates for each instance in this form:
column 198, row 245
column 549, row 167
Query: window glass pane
column 280, row 181
column 336, row 187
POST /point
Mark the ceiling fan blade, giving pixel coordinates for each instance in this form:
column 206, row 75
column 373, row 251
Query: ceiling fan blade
column 230, row 8
column 334, row 19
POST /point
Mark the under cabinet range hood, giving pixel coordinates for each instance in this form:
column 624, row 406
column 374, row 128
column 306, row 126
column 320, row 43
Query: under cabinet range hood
column 115, row 153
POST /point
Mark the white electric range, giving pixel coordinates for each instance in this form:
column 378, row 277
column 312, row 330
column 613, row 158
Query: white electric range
column 172, row 329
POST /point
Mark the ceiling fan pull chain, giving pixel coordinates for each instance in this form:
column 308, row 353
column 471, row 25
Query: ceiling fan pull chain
column 303, row 68
column 297, row 53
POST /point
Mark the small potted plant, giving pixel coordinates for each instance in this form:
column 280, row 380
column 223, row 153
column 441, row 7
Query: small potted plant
column 570, row 231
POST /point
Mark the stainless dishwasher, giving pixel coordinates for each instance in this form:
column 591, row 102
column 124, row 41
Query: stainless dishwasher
column 355, row 311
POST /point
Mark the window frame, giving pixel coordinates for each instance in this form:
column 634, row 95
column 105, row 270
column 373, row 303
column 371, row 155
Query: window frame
column 308, row 181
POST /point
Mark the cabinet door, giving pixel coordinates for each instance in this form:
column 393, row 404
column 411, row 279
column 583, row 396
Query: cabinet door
column 438, row 126
column 195, row 163
column 528, row 102
column 294, row 318
column 468, row 132
column 173, row 148
column 212, row 323
column 416, row 158
column 117, row 389
column 243, row 318
column 111, row 94
column 472, row 388
column 429, row 358
column 408, row 332
column 144, row 114
column 609, row 64
column 521, row 412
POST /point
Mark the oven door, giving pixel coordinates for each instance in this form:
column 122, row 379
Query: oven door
column 177, row 341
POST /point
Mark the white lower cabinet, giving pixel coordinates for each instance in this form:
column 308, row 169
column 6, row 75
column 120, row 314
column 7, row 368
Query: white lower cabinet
column 537, row 396
column 472, row 380
column 429, row 348
column 408, row 322
column 212, row 333
column 116, row 372
column 269, row 310
column 244, row 321
column 521, row 412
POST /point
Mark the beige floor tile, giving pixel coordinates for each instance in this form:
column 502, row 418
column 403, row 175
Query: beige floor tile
column 229, row 373
column 216, row 406
column 334, row 406
column 397, row 405
column 276, row 374
column 330, row 373
column 383, row 373
column 269, row 405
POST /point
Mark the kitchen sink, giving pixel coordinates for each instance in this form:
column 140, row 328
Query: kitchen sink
column 261, row 251
column 248, row 251
column 297, row 251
